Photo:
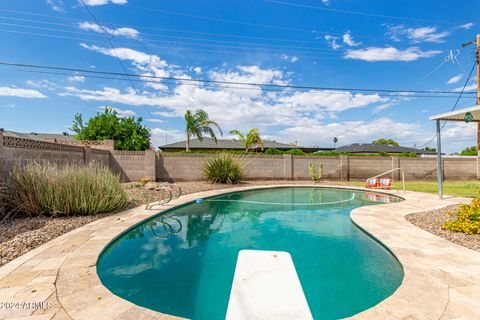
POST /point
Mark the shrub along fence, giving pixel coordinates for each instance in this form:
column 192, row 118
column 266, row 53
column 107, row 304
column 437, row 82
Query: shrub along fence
column 134, row 165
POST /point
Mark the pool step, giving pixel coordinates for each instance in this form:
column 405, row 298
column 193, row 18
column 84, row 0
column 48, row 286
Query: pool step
column 266, row 286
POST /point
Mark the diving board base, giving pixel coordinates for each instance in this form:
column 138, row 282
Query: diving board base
column 266, row 286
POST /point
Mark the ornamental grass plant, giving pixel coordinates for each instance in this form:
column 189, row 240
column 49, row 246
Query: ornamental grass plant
column 53, row 190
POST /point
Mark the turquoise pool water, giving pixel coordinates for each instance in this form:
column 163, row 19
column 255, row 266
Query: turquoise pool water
column 182, row 262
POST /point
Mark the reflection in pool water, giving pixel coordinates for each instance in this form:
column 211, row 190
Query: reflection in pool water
column 182, row 262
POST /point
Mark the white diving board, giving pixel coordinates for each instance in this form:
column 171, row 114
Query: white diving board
column 266, row 286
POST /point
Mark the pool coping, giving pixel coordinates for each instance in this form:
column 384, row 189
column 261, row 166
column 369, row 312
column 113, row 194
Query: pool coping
column 442, row 279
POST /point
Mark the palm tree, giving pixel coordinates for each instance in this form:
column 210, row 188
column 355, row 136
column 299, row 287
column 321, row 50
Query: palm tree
column 251, row 139
column 198, row 124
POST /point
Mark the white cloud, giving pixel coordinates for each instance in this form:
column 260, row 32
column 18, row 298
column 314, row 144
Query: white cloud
column 466, row 26
column 42, row 84
column 121, row 112
column 454, row 79
column 56, row 5
column 328, row 100
column 389, row 54
column 232, row 106
column 103, row 2
column 21, row 93
column 155, row 120
column 161, row 136
column 470, row 87
column 348, row 40
column 292, row 59
column 360, row 132
column 332, row 42
column 250, row 74
column 146, row 64
column 118, row 32
column 326, row 2
column 76, row 79
column 197, row 70
column 416, row 35
column 385, row 106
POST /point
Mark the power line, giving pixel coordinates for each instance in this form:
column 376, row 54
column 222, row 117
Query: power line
column 248, row 45
column 210, row 84
column 165, row 46
column 113, row 48
column 456, row 102
column 404, row 93
column 368, row 14
column 316, row 32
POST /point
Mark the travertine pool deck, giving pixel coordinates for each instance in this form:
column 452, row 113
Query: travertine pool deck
column 442, row 279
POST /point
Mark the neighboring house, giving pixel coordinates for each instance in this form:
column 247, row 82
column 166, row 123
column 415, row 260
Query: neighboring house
column 366, row 148
column 207, row 144
column 51, row 137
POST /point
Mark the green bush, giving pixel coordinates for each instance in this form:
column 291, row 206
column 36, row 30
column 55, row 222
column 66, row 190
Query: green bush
column 296, row 152
column 468, row 219
column 48, row 189
column 273, row 151
column 223, row 168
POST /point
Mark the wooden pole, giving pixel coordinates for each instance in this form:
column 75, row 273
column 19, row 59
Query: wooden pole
column 478, row 91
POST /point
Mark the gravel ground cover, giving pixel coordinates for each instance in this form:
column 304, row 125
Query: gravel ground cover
column 432, row 221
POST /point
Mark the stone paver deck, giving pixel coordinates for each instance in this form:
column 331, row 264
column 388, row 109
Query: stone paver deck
column 442, row 279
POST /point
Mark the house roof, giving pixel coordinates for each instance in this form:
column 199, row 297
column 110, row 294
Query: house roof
column 208, row 143
column 459, row 115
column 36, row 136
column 375, row 148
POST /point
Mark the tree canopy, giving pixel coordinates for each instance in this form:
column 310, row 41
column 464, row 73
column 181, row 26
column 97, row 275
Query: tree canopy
column 198, row 124
column 127, row 132
column 471, row 151
column 386, row 141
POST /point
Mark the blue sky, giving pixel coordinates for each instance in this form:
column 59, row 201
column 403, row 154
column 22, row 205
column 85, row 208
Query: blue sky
column 400, row 45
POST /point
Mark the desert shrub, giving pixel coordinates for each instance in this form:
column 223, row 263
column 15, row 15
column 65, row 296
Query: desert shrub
column 223, row 168
column 273, row 151
column 296, row 152
column 467, row 219
column 49, row 189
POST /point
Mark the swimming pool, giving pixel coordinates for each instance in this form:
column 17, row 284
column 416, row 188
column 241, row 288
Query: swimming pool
column 182, row 262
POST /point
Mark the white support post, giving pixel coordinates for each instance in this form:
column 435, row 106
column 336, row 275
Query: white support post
column 439, row 162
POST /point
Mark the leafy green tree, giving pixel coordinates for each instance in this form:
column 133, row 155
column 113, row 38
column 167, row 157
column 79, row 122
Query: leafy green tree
column 251, row 139
column 197, row 124
column 472, row 151
column 128, row 133
column 386, row 141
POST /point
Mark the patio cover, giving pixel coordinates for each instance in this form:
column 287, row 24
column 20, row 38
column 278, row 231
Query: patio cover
column 472, row 114
column 459, row 115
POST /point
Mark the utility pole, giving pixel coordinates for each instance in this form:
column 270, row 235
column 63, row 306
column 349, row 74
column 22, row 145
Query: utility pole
column 478, row 90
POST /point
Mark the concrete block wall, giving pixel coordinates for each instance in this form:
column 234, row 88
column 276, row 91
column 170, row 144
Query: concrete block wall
column 134, row 165
column 188, row 167
column 130, row 165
